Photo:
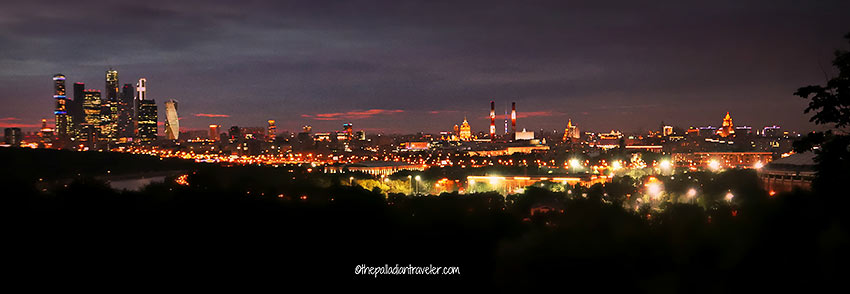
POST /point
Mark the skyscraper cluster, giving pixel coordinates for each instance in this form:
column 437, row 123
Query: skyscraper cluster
column 122, row 115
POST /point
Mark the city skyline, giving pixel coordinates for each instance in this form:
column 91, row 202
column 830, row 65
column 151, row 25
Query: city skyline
column 137, row 93
column 626, row 68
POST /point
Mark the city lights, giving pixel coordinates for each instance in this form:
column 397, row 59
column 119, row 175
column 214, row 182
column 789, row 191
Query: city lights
column 616, row 165
column 714, row 165
column 575, row 163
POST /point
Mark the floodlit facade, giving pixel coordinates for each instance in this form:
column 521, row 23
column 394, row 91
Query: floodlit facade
column 465, row 131
column 524, row 135
column 172, row 122
column 571, row 132
column 214, row 131
column 727, row 129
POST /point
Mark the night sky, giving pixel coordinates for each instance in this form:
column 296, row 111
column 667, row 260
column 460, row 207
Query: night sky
column 408, row 66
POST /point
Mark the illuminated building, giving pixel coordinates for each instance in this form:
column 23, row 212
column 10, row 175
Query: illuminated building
column 112, row 85
column 271, row 132
column 172, row 122
column 524, row 135
column 64, row 123
column 347, row 128
column 141, row 95
column 214, row 130
column 667, row 131
column 13, row 136
column 147, row 120
column 571, row 131
column 110, row 108
column 92, row 108
column 492, row 120
column 508, row 151
column 319, row 137
column 727, row 129
column 692, row 131
column 360, row 135
column 416, row 146
column 723, row 159
column 513, row 121
column 46, row 134
column 108, row 120
column 649, row 148
column 465, row 131
column 609, row 140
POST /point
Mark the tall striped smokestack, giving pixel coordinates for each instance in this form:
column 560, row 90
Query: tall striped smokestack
column 513, row 120
column 492, row 120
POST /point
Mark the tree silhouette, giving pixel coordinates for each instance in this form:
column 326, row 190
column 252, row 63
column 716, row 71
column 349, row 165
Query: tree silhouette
column 831, row 103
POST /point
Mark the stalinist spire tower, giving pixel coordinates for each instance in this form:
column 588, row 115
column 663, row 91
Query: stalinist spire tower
column 727, row 129
column 571, row 132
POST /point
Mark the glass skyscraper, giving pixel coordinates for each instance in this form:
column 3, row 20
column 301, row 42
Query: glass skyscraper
column 64, row 123
column 147, row 120
column 172, row 123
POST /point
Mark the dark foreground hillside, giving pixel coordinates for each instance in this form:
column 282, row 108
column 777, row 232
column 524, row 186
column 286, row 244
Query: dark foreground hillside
column 277, row 227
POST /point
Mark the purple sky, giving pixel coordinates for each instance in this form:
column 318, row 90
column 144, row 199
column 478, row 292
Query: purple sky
column 407, row 66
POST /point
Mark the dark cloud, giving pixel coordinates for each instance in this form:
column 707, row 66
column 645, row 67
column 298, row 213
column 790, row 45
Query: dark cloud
column 683, row 63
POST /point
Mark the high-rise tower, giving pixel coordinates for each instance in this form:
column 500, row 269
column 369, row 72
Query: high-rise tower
column 727, row 129
column 126, row 112
column 571, row 132
column 109, row 107
column 214, row 130
column 64, row 123
column 513, row 120
column 147, row 120
column 77, row 111
column 465, row 131
column 492, row 120
column 112, row 85
column 271, row 131
column 90, row 126
column 141, row 95
column 172, row 122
